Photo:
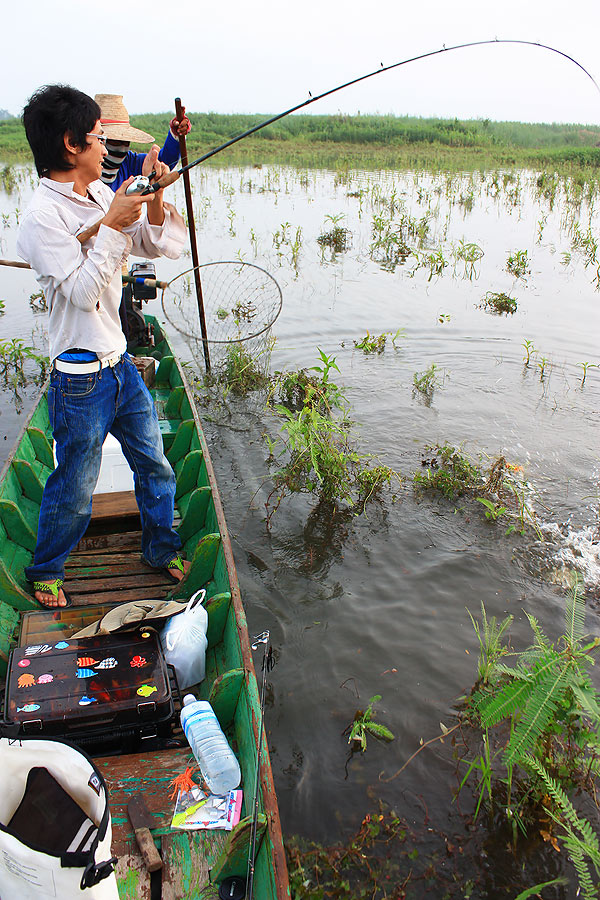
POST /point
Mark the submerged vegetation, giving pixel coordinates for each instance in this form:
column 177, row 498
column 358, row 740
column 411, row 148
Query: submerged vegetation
column 499, row 303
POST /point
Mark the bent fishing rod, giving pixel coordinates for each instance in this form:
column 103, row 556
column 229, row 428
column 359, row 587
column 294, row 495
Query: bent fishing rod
column 171, row 177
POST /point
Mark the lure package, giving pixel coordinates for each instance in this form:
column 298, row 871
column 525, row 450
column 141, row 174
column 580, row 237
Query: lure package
column 91, row 689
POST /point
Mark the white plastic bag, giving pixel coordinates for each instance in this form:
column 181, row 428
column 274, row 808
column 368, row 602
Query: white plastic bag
column 183, row 640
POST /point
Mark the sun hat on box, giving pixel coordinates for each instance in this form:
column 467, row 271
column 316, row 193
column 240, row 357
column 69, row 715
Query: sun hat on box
column 114, row 119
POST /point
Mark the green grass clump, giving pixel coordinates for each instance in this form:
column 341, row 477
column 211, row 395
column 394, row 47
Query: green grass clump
column 448, row 471
column 499, row 303
column 241, row 373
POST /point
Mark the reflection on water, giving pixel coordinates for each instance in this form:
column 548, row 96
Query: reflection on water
column 380, row 599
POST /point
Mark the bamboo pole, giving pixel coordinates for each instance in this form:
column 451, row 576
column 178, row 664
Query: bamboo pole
column 192, row 229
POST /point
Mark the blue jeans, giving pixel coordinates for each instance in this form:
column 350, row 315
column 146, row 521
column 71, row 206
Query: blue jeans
column 83, row 409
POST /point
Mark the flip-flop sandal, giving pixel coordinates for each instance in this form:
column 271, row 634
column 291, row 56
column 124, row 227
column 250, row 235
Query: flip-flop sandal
column 177, row 564
column 53, row 588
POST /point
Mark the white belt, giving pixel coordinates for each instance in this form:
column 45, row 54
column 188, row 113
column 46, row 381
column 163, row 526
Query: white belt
column 84, row 368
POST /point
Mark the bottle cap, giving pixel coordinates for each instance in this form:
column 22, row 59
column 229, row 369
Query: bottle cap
column 189, row 698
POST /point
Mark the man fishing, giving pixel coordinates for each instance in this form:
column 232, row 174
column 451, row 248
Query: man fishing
column 94, row 386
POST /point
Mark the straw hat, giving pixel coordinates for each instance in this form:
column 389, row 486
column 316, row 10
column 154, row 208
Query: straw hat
column 114, row 119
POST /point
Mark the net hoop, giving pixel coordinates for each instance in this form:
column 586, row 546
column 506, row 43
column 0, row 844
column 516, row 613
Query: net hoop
column 275, row 307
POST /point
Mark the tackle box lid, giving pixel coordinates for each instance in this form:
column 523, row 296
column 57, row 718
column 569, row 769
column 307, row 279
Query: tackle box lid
column 118, row 679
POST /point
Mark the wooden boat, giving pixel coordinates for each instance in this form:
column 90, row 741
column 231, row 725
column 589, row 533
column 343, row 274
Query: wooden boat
column 106, row 569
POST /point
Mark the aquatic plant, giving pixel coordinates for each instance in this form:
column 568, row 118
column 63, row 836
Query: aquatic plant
column 376, row 343
column 498, row 303
column 529, row 352
column 517, row 264
column 240, row 373
column 493, row 511
column 363, row 724
column 469, row 254
column 376, row 861
column 491, row 650
column 552, row 711
column 337, row 238
column 585, row 366
column 426, row 382
column 316, row 437
column 448, row 471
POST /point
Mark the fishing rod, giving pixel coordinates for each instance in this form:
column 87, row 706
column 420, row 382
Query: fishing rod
column 126, row 279
column 267, row 665
column 145, row 187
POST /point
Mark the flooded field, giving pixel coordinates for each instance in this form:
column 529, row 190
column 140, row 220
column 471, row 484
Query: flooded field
column 377, row 604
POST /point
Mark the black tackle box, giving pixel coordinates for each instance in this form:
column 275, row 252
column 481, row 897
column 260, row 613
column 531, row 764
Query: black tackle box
column 107, row 691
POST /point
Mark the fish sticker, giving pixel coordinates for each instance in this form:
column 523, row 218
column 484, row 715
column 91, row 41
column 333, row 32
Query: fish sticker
column 29, row 707
column 146, row 689
column 62, row 645
column 138, row 661
column 37, row 648
column 86, row 661
column 85, row 673
column 45, row 679
column 25, row 681
column 23, row 663
column 109, row 663
column 85, row 701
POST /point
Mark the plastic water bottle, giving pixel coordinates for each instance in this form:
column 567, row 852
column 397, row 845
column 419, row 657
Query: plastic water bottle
column 220, row 769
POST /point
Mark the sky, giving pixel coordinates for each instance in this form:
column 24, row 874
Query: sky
column 261, row 56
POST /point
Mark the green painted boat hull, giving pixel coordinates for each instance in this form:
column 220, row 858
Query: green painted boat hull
column 230, row 681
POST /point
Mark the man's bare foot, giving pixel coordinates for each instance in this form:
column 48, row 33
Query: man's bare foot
column 176, row 573
column 49, row 598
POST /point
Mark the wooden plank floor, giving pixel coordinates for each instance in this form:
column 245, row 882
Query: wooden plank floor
column 186, row 870
column 106, row 566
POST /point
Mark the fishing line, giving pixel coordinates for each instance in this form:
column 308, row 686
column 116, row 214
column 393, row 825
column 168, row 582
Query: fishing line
column 170, row 177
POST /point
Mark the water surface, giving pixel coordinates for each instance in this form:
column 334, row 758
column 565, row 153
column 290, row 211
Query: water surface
column 377, row 604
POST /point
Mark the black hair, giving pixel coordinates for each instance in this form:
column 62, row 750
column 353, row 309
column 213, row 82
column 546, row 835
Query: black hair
column 53, row 111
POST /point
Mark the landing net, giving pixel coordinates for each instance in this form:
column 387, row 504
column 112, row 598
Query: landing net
column 241, row 303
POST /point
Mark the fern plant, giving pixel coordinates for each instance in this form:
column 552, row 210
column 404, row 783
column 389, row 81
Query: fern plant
column 363, row 724
column 553, row 713
column 548, row 696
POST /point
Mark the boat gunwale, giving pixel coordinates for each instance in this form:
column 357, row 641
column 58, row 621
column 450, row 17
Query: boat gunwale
column 266, row 772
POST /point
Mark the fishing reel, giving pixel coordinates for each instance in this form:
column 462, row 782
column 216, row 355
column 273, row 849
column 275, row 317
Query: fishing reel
column 139, row 185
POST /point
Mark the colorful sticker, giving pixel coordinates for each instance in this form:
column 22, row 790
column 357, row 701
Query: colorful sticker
column 85, row 673
column 138, row 661
column 45, row 679
column 146, row 689
column 23, row 663
column 25, row 681
column 29, row 707
column 37, row 648
column 62, row 645
column 85, row 701
column 86, row 661
column 109, row 663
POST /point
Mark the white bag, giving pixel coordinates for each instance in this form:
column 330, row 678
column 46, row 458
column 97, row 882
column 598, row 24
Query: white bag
column 31, row 873
column 183, row 641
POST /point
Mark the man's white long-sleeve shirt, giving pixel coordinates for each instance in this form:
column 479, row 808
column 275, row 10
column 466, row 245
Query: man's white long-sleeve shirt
column 82, row 283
